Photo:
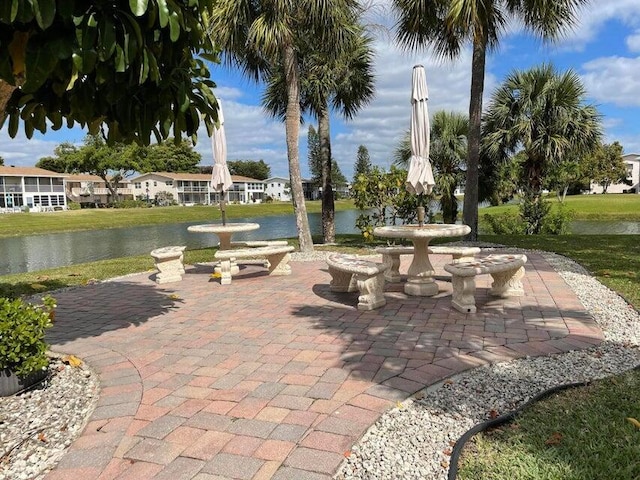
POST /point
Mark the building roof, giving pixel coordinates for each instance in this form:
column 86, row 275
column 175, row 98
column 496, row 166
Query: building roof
column 85, row 177
column 9, row 171
column 196, row 176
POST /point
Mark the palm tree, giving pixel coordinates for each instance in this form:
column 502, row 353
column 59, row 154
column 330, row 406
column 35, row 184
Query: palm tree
column 344, row 81
column 542, row 114
column 447, row 155
column 447, row 25
column 258, row 35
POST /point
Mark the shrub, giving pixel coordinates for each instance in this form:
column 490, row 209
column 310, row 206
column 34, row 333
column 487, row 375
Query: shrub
column 22, row 327
column 132, row 204
column 505, row 224
column 557, row 221
column 73, row 206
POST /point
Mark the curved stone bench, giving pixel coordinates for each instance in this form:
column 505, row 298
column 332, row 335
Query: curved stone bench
column 277, row 256
column 350, row 273
column 507, row 272
column 169, row 262
column 391, row 257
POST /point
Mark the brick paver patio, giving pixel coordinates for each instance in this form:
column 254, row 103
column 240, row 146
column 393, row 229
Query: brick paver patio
column 276, row 377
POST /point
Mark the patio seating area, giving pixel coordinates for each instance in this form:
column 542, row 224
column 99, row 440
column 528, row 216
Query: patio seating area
column 199, row 378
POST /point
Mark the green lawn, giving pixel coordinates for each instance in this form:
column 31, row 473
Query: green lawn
column 578, row 434
column 590, row 207
column 102, row 218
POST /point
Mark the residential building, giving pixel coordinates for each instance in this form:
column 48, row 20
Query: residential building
column 31, row 188
column 91, row 190
column 632, row 161
column 278, row 188
column 195, row 188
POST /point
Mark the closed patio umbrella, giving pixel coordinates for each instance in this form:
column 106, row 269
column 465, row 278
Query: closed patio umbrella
column 420, row 176
column 220, row 176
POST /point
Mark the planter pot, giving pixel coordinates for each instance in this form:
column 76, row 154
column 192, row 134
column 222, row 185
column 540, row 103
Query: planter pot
column 11, row 384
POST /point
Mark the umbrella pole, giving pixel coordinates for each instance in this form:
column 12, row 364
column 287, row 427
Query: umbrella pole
column 222, row 209
column 420, row 210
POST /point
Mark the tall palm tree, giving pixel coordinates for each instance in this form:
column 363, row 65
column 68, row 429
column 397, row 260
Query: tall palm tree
column 542, row 114
column 447, row 25
column 345, row 82
column 447, row 154
column 257, row 35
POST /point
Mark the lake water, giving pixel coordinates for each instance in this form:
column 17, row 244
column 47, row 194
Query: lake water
column 38, row 252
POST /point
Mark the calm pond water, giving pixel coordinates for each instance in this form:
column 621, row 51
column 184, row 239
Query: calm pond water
column 38, row 252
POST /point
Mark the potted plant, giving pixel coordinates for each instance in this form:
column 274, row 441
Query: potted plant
column 23, row 358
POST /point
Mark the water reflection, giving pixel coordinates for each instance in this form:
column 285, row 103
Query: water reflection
column 38, row 252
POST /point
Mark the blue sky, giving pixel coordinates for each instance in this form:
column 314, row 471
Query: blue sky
column 604, row 50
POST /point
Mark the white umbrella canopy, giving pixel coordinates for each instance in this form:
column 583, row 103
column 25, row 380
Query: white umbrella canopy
column 420, row 176
column 220, row 176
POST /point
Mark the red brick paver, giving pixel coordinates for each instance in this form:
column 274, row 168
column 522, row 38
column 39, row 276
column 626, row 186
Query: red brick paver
column 278, row 377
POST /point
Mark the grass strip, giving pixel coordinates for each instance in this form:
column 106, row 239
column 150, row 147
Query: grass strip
column 102, row 218
column 578, row 434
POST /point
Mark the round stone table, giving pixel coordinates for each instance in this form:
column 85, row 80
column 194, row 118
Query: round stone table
column 224, row 234
column 420, row 280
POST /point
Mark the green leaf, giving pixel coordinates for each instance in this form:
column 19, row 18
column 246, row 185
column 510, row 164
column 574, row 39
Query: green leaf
column 163, row 11
column 28, row 131
column 174, row 26
column 45, row 12
column 144, row 68
column 7, row 11
column 40, row 60
column 138, row 7
column 120, row 60
column 14, row 122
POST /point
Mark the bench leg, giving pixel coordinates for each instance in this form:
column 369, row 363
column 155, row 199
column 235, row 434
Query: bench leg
column 279, row 264
column 342, row 281
column 169, row 270
column 225, row 272
column 392, row 274
column 464, row 289
column 508, row 284
column 371, row 291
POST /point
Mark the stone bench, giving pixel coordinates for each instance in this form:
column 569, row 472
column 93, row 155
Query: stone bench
column 258, row 243
column 507, row 272
column 391, row 257
column 350, row 273
column 277, row 256
column 169, row 262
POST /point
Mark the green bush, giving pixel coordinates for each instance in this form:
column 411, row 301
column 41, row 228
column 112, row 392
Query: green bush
column 557, row 221
column 73, row 206
column 132, row 204
column 505, row 224
column 22, row 327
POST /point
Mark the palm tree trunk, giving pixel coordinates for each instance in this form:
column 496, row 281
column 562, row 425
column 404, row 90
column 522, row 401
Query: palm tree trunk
column 328, row 206
column 292, row 127
column 470, row 209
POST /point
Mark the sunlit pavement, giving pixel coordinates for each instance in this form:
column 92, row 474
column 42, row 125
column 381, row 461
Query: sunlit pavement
column 277, row 377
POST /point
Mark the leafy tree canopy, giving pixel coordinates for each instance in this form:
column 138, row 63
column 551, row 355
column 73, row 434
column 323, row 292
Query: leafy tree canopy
column 123, row 68
column 1, row 161
column 363, row 163
column 250, row 168
column 605, row 166
column 169, row 156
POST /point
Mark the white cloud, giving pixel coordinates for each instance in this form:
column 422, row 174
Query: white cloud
column 21, row 151
column 613, row 80
column 633, row 42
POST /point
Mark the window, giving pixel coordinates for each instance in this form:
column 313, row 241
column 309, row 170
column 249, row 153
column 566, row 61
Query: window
column 146, row 184
column 155, row 184
column 137, row 185
column 30, row 184
column 169, row 183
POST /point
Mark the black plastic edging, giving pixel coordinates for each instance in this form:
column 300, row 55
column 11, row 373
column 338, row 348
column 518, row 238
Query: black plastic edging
column 501, row 420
